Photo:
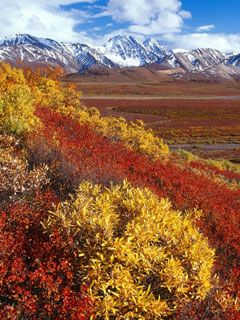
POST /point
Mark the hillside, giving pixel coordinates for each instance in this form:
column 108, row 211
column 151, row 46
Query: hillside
column 100, row 220
column 150, row 74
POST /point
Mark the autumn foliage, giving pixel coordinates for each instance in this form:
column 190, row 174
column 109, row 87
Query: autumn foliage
column 99, row 220
column 37, row 277
column 136, row 251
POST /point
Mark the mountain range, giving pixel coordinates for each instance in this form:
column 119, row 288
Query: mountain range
column 121, row 52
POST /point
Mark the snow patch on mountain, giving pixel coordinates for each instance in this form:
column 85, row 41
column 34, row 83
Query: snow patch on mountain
column 177, row 50
column 127, row 52
column 118, row 52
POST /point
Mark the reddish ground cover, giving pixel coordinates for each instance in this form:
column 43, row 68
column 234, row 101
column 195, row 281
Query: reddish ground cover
column 147, row 83
column 179, row 120
column 215, row 171
column 36, row 281
column 182, row 120
column 82, row 154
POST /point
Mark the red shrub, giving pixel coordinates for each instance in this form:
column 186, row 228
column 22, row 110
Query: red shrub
column 215, row 171
column 37, row 275
column 76, row 153
column 82, row 154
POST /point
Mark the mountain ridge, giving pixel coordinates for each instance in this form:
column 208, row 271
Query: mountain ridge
column 118, row 52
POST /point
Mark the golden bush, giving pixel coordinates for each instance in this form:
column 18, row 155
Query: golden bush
column 141, row 259
column 16, row 101
column 133, row 134
column 224, row 165
column 220, row 164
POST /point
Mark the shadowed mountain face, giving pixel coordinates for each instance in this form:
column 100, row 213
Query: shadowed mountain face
column 234, row 60
column 120, row 52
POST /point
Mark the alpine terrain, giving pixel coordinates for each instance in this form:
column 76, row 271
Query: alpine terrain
column 120, row 52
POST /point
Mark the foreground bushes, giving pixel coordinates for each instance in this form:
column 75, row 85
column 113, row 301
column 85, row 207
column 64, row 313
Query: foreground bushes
column 16, row 101
column 142, row 260
column 21, row 91
column 85, row 155
column 37, row 278
column 133, row 134
column 17, row 181
column 93, row 242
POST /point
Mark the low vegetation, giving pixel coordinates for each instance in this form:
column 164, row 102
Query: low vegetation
column 142, row 259
column 99, row 220
column 184, row 120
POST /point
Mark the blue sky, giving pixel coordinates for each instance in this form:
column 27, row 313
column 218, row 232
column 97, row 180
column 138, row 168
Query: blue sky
column 222, row 14
column 187, row 24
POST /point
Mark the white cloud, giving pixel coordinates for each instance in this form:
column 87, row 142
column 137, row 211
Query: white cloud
column 162, row 18
column 166, row 22
column 208, row 27
column 220, row 41
column 42, row 18
column 149, row 16
column 185, row 14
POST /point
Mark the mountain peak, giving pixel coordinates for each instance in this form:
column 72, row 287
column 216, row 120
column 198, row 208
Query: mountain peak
column 127, row 51
column 120, row 51
column 154, row 46
column 23, row 39
column 151, row 40
column 18, row 39
column 121, row 39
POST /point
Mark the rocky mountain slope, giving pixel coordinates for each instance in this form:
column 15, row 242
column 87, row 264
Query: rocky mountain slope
column 119, row 52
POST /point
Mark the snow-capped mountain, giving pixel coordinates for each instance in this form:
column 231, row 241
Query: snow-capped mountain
column 118, row 52
column 37, row 51
column 154, row 46
column 91, row 57
column 127, row 52
column 19, row 39
column 199, row 59
column 234, row 60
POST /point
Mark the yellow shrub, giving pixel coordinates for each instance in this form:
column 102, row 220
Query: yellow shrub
column 48, row 93
column 141, row 259
column 20, row 93
column 17, row 111
column 16, row 101
column 133, row 134
column 10, row 77
column 186, row 155
column 224, row 165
